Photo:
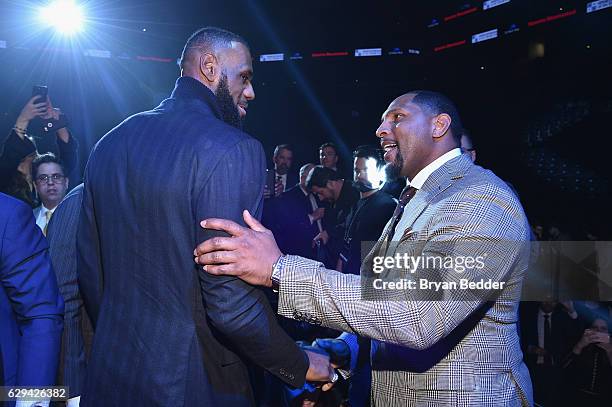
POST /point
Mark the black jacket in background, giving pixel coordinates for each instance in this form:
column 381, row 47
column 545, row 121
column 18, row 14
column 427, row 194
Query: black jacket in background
column 365, row 223
column 335, row 219
column 290, row 223
column 565, row 333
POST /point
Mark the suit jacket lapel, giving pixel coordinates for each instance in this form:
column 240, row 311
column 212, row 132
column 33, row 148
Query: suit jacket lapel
column 439, row 180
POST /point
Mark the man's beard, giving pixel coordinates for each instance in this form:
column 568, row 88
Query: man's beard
column 282, row 169
column 229, row 110
column 393, row 169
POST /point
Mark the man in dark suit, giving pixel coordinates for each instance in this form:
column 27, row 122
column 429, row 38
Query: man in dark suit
column 31, row 307
column 368, row 217
column 297, row 218
column 548, row 332
column 281, row 178
column 278, row 180
column 148, row 183
column 77, row 337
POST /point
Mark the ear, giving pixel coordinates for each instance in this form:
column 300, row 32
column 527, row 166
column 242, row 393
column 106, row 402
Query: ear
column 441, row 123
column 209, row 66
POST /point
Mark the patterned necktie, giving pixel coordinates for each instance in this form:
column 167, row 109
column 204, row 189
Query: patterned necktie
column 47, row 219
column 405, row 197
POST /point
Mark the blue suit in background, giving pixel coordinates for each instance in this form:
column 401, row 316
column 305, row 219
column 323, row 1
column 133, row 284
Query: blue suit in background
column 31, row 307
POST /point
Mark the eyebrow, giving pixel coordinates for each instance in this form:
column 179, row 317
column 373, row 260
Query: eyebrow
column 248, row 71
column 387, row 113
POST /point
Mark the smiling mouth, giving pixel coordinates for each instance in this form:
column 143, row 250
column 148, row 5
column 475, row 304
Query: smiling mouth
column 388, row 146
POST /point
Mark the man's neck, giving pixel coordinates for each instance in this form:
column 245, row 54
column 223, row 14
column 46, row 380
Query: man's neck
column 440, row 159
column 49, row 206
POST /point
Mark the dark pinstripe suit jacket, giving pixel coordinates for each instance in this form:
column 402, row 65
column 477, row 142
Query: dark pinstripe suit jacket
column 62, row 234
column 148, row 184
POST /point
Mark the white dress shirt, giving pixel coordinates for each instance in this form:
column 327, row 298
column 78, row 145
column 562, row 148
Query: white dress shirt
column 73, row 402
column 42, row 403
column 283, row 179
column 422, row 175
column 41, row 218
column 541, row 321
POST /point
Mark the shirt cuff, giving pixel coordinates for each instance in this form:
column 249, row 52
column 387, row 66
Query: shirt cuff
column 73, row 402
column 277, row 269
column 353, row 344
column 29, row 403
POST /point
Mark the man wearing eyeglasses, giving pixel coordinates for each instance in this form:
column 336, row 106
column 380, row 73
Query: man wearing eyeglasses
column 51, row 186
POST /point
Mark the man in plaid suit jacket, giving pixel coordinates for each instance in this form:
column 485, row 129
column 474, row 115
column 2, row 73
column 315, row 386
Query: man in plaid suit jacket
column 454, row 203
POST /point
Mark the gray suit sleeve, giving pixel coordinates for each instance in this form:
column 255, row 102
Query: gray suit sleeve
column 238, row 310
column 334, row 300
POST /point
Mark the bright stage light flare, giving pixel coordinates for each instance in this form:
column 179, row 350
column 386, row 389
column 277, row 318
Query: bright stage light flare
column 64, row 15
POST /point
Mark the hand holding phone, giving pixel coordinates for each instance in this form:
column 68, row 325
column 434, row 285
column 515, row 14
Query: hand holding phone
column 31, row 110
column 42, row 92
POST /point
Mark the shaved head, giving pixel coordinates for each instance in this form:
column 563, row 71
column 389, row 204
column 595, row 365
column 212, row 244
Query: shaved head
column 436, row 103
column 221, row 61
column 208, row 39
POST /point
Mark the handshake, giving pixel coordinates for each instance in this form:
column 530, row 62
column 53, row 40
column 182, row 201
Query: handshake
column 324, row 356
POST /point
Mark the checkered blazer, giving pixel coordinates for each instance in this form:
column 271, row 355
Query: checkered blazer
column 459, row 202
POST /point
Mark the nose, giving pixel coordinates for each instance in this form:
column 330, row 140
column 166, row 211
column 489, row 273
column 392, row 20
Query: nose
column 249, row 92
column 383, row 130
